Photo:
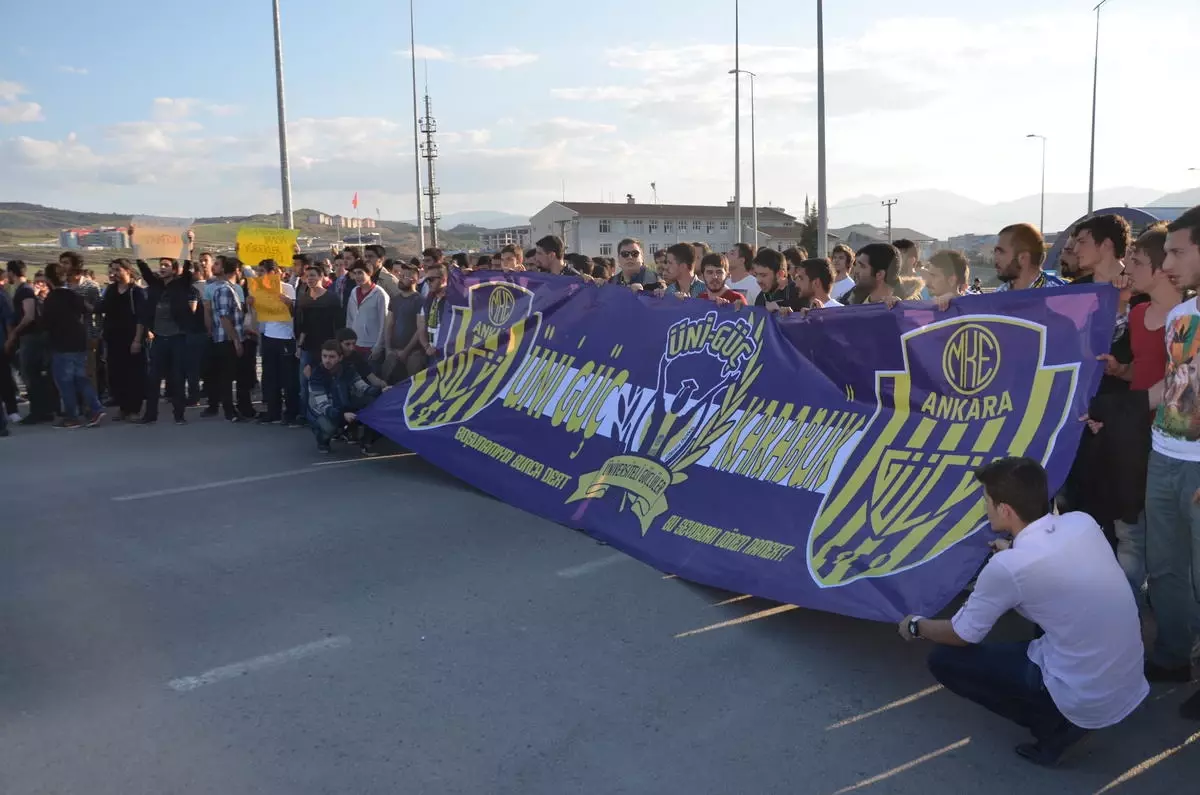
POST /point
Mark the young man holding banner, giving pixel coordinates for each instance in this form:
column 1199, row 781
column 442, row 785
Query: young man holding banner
column 273, row 299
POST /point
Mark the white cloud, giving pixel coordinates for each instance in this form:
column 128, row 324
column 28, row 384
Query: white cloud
column 73, row 70
column 427, row 53
column 169, row 108
column 12, row 109
column 503, row 60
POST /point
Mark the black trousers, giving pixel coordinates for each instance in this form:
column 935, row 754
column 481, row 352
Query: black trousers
column 126, row 374
column 8, row 384
column 230, row 367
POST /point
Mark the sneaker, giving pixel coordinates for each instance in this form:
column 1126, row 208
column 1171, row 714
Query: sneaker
column 237, row 418
column 324, row 449
column 181, row 421
column 191, row 404
column 367, row 451
column 210, row 412
column 67, row 423
column 263, row 419
column 296, row 424
column 14, row 417
column 1158, row 673
column 96, row 418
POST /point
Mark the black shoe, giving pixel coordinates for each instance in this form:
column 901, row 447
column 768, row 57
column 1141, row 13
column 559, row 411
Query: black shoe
column 1158, row 673
column 263, row 419
column 367, row 451
column 324, row 449
column 145, row 420
column 191, row 404
column 1048, row 752
column 32, row 420
column 5, row 432
column 237, row 418
column 210, row 412
column 180, row 421
column 1190, row 709
column 296, row 424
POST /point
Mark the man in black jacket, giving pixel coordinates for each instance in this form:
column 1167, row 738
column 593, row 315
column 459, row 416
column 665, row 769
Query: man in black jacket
column 170, row 312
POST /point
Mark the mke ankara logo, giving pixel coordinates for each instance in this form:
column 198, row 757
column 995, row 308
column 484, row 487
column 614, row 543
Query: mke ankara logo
column 704, row 375
column 907, row 493
column 484, row 340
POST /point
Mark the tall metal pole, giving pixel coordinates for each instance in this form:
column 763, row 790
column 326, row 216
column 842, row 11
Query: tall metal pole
column 285, row 173
column 412, row 48
column 737, row 127
column 753, row 161
column 1095, row 85
column 822, row 207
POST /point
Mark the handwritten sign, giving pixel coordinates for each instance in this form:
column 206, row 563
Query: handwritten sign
column 268, row 301
column 159, row 238
column 256, row 245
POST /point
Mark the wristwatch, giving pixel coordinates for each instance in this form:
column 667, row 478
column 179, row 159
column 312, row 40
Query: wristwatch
column 914, row 626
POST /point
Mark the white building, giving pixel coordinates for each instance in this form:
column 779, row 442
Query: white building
column 595, row 228
column 496, row 239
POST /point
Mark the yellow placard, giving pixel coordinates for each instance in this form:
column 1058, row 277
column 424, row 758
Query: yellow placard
column 158, row 238
column 255, row 245
column 268, row 300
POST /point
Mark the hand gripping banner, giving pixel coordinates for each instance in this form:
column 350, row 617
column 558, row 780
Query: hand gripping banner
column 822, row 460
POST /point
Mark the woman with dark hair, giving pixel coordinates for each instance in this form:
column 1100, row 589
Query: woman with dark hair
column 123, row 304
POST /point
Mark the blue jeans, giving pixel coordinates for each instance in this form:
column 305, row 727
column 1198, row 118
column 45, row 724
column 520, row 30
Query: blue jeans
column 1000, row 678
column 1173, row 555
column 71, row 376
column 1131, row 554
column 196, row 353
column 280, row 385
column 307, row 359
column 168, row 359
column 323, row 428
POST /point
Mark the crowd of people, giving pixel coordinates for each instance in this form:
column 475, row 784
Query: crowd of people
column 361, row 322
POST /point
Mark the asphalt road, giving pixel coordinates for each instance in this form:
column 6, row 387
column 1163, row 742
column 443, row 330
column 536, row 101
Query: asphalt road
column 216, row 609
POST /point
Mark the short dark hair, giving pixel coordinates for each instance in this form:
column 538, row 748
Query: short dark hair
column 530, row 253
column 842, row 247
column 377, row 250
column 551, row 244
column 332, row 346
column 770, row 259
column 745, row 251
column 17, row 267
column 580, row 262
column 461, row 260
column 352, row 251
column 1190, row 221
column 952, row 263
column 358, row 265
column 629, row 241
column 268, row 265
column 1026, row 238
column 795, row 256
column 1111, row 227
column 715, row 260
column 121, row 263
column 1153, row 243
column 904, row 245
column 433, row 253
column 301, row 261
column 312, row 266
column 346, row 335
column 881, row 257
column 54, row 274
column 819, row 269
column 1019, row 483
column 662, row 252
column 514, row 250
column 599, row 269
column 74, row 260
column 683, row 253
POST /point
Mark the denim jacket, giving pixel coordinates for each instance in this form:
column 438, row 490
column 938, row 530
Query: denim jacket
column 332, row 393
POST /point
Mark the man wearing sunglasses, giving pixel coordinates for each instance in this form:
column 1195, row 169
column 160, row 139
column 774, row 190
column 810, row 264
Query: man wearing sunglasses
column 633, row 272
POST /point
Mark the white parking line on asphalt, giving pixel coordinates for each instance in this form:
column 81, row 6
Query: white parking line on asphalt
column 572, row 572
column 145, row 495
column 187, row 683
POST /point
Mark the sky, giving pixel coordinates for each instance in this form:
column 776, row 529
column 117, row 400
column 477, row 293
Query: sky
column 152, row 110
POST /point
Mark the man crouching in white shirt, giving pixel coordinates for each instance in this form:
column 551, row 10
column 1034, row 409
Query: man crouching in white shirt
column 1059, row 572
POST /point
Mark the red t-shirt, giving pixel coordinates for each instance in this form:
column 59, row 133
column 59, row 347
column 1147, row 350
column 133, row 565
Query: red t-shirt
column 732, row 296
column 1149, row 349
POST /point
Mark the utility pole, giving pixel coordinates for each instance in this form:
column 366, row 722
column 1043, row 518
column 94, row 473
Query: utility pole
column 285, row 173
column 412, row 44
column 822, row 209
column 888, row 204
column 737, row 126
column 430, row 153
column 1095, row 86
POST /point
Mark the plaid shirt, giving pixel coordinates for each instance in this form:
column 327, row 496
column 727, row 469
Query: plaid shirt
column 225, row 304
column 1045, row 279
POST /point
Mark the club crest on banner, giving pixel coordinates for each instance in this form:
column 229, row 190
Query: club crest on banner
column 484, row 341
column 704, row 375
column 966, row 396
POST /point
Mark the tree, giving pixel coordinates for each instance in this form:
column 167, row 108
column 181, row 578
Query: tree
column 809, row 229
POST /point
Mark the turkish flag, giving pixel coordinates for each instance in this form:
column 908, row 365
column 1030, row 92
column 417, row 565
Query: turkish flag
column 355, row 202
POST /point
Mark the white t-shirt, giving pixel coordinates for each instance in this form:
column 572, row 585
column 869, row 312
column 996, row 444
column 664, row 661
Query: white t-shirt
column 278, row 329
column 831, row 303
column 840, row 288
column 1177, row 421
column 1061, row 574
column 747, row 286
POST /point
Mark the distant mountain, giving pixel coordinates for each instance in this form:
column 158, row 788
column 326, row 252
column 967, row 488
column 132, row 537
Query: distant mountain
column 19, row 215
column 942, row 214
column 485, row 219
column 1184, row 198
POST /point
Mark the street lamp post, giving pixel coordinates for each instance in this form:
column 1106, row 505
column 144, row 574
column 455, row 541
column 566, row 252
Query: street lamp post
column 753, row 156
column 1095, row 84
column 737, row 127
column 285, row 173
column 412, row 48
column 1042, row 221
column 822, row 208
